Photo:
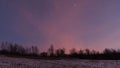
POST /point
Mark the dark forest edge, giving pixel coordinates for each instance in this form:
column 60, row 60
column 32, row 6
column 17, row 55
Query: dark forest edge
column 15, row 50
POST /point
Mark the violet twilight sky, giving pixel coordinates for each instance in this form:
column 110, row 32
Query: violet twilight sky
column 93, row 24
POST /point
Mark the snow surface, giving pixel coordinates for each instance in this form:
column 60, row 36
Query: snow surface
column 7, row 62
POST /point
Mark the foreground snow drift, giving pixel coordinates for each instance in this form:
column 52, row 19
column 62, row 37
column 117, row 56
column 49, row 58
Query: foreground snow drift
column 6, row 62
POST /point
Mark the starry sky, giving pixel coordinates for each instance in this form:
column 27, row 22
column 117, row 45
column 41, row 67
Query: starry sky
column 93, row 24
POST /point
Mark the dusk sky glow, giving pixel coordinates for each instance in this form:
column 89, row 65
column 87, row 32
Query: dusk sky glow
column 93, row 24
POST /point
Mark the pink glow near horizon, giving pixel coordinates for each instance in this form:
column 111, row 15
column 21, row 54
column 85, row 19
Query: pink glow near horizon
column 66, row 23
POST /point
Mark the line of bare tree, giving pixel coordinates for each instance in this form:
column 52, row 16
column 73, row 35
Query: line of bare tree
column 15, row 50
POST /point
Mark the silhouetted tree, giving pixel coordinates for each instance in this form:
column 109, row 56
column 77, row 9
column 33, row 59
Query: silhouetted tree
column 5, row 46
column 51, row 50
column 60, row 52
column 73, row 53
column 87, row 51
column 107, row 51
column 93, row 52
column 2, row 46
column 21, row 50
column 34, row 50
column 81, row 51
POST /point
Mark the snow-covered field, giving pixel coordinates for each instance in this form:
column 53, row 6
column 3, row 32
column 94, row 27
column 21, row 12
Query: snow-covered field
column 6, row 62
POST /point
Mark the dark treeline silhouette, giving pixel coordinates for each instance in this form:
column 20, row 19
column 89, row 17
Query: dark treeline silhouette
column 15, row 50
column 10, row 49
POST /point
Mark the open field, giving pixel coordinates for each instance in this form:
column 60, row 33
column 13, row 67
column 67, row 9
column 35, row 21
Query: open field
column 7, row 62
